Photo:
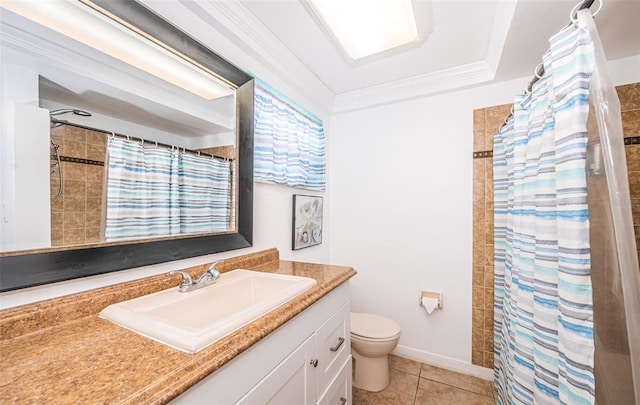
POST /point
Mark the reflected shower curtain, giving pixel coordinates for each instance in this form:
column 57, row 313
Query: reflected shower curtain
column 543, row 314
column 153, row 191
column 142, row 191
column 205, row 194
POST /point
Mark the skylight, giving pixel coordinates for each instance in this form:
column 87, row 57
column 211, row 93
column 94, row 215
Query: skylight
column 366, row 27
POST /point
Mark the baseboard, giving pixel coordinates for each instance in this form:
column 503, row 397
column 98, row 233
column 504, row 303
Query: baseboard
column 443, row 362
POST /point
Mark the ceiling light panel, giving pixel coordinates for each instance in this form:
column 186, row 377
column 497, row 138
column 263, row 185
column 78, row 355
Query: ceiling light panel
column 366, row 27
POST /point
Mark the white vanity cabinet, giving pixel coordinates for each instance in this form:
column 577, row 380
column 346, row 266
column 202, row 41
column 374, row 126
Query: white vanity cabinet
column 305, row 361
column 291, row 382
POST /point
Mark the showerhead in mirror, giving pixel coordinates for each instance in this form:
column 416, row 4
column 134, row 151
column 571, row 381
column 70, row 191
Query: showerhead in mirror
column 53, row 113
column 56, row 154
column 61, row 111
column 56, row 162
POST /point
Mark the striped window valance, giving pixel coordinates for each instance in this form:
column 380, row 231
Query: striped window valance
column 289, row 143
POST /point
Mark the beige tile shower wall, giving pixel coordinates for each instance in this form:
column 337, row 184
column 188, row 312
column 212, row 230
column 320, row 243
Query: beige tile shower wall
column 630, row 105
column 75, row 216
column 612, row 330
column 486, row 122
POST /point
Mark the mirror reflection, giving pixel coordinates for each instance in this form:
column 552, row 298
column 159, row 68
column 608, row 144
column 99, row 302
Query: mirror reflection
column 102, row 151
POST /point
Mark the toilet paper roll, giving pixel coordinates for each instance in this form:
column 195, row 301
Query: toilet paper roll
column 429, row 304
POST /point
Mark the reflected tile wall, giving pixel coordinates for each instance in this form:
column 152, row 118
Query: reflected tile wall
column 75, row 216
column 486, row 121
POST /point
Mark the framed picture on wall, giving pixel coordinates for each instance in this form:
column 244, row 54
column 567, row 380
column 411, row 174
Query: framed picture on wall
column 307, row 221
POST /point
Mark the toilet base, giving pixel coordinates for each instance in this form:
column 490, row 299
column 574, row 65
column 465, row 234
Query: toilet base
column 371, row 373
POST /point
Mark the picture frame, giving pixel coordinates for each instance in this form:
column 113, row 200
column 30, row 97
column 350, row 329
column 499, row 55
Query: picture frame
column 306, row 221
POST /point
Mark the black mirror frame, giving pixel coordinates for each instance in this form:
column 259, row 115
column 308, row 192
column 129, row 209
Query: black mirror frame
column 28, row 270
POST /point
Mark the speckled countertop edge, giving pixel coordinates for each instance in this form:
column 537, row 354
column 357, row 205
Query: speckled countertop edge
column 60, row 351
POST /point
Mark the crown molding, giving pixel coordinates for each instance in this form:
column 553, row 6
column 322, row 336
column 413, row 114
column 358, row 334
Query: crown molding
column 249, row 36
column 417, row 86
column 502, row 19
column 440, row 81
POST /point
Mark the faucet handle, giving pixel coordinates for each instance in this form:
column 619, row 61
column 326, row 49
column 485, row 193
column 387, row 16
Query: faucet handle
column 186, row 278
column 215, row 273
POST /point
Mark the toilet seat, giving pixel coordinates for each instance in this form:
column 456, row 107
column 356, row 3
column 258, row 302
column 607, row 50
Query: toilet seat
column 373, row 327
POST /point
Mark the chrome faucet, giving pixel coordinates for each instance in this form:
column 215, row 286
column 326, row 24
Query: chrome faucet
column 207, row 278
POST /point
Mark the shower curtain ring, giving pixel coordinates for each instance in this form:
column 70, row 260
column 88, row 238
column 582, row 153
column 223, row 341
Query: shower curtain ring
column 573, row 16
column 539, row 68
column 142, row 141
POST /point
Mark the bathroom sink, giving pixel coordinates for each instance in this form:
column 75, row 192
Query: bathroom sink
column 193, row 320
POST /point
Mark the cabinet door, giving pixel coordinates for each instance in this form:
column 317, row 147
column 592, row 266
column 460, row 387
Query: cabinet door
column 291, row 382
column 339, row 391
column 334, row 347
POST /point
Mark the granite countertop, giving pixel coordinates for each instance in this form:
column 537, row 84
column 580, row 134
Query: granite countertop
column 59, row 351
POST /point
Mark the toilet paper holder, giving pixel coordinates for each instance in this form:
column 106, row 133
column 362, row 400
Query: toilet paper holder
column 430, row 294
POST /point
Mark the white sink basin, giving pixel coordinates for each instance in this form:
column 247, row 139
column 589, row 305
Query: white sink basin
column 193, row 320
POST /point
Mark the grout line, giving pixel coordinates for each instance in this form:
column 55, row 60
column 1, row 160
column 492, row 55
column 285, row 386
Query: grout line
column 459, row 388
column 420, row 376
column 455, row 386
column 415, row 394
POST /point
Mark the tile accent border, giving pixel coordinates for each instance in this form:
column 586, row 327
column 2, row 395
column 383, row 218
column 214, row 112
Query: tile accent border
column 632, row 140
column 483, row 154
column 80, row 160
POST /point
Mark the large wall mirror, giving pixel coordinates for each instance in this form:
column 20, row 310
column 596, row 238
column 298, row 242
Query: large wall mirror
column 125, row 143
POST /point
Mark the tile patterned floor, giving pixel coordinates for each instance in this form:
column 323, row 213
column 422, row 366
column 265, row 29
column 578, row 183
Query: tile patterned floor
column 415, row 383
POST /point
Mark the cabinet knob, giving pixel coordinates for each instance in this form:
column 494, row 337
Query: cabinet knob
column 343, row 400
column 314, row 362
column 337, row 346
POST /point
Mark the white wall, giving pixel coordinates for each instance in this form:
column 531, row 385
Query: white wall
column 402, row 211
column 32, row 179
column 19, row 87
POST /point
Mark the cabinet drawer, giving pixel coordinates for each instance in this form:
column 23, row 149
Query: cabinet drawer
column 339, row 391
column 334, row 347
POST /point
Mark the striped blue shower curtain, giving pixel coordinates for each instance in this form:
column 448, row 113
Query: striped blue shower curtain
column 153, row 192
column 543, row 313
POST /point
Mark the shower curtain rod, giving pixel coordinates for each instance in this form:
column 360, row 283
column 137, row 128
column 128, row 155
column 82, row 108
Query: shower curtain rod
column 539, row 72
column 195, row 152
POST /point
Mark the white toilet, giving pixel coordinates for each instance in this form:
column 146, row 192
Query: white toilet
column 373, row 337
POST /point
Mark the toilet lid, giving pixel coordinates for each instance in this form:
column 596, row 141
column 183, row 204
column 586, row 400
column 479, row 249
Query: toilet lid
column 373, row 326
